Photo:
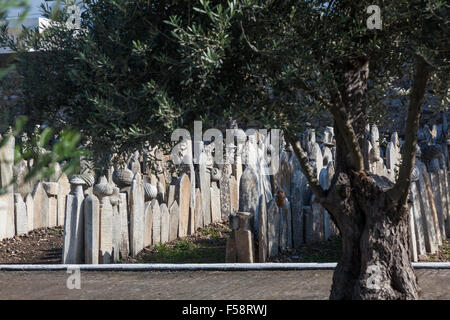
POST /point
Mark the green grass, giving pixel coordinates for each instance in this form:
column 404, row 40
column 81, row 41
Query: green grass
column 184, row 251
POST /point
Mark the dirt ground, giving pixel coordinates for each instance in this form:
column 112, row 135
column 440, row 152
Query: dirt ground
column 42, row 246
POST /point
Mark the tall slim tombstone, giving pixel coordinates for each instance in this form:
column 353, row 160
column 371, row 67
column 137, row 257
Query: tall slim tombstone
column 30, row 211
column 124, row 226
column 156, row 224
column 148, row 231
column 73, row 246
column 174, row 212
column 63, row 191
column 249, row 195
column 7, row 228
column 165, row 223
column 182, row 196
column 20, row 209
column 91, row 229
column 137, row 215
column 52, row 189
column 273, row 229
column 41, row 206
column 263, row 244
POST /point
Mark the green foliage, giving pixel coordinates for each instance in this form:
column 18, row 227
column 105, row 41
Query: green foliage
column 136, row 70
column 44, row 152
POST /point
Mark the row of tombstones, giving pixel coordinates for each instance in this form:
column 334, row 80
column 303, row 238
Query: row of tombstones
column 112, row 222
column 293, row 218
column 39, row 207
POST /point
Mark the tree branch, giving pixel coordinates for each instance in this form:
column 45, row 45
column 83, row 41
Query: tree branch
column 422, row 74
column 306, row 167
column 343, row 123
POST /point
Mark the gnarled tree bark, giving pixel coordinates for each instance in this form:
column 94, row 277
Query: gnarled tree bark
column 372, row 217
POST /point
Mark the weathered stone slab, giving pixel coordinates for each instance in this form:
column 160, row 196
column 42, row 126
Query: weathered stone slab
column 73, row 246
column 227, row 194
column 412, row 237
column 436, row 191
column 273, row 230
column 244, row 241
column 7, row 228
column 318, row 219
column 198, row 210
column 148, row 232
column 106, row 231
column 137, row 223
column 165, row 223
column 52, row 189
column 156, row 225
column 182, row 196
column 20, row 209
column 124, row 234
column 41, row 207
column 248, row 194
column 91, row 229
column 204, row 179
column 64, row 190
column 433, row 208
column 234, row 195
column 286, row 226
column 263, row 244
column 116, row 225
column 174, row 220
column 430, row 233
column 30, row 211
column 215, row 203
column 171, row 194
column 418, row 221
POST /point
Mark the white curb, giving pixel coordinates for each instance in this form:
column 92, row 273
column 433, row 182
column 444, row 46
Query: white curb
column 197, row 266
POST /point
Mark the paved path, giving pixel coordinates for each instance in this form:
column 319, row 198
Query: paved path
column 194, row 285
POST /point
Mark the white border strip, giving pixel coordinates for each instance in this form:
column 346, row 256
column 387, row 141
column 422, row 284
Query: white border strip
column 197, row 266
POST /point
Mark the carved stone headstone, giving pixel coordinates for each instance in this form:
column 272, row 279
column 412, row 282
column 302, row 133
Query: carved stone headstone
column 20, row 209
column 41, row 207
column 73, row 246
column 30, row 211
column 165, row 223
column 273, row 230
column 182, row 196
column 263, row 244
column 204, row 179
column 91, row 229
column 148, row 231
column 248, row 194
column 52, row 189
column 7, row 228
column 430, row 232
column 156, row 224
column 198, row 210
column 216, row 214
column 174, row 220
column 286, row 226
column 137, row 222
column 124, row 234
column 245, row 246
column 63, row 191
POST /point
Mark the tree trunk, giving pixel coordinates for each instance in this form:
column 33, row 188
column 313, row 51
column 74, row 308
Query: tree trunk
column 375, row 262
